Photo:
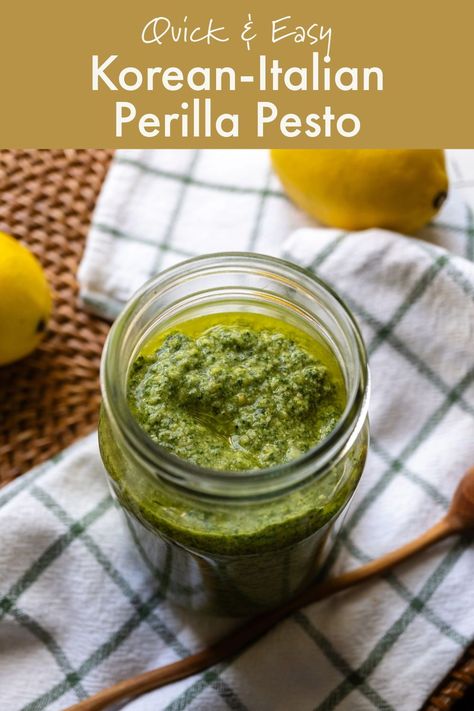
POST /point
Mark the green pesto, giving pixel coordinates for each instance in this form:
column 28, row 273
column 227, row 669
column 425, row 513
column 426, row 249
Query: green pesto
column 239, row 395
column 216, row 527
column 233, row 392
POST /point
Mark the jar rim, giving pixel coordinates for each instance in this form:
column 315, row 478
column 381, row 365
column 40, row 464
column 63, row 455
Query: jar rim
column 205, row 480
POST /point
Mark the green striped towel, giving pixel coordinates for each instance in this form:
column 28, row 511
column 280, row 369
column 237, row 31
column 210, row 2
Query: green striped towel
column 80, row 606
column 159, row 207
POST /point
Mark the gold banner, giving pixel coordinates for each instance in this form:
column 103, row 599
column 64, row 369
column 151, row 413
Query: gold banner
column 337, row 74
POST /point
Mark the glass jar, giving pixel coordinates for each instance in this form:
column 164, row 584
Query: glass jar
column 232, row 542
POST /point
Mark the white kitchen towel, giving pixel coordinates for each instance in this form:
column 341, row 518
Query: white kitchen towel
column 159, row 207
column 80, row 608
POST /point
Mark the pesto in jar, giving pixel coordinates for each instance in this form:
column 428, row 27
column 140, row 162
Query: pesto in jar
column 233, row 391
column 239, row 392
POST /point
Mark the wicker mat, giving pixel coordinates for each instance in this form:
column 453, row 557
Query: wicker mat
column 51, row 398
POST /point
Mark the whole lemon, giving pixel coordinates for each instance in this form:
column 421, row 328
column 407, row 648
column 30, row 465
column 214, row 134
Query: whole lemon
column 25, row 300
column 399, row 190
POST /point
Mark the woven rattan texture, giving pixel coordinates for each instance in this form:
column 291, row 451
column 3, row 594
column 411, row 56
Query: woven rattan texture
column 51, row 398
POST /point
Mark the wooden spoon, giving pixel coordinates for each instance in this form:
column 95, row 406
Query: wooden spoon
column 460, row 518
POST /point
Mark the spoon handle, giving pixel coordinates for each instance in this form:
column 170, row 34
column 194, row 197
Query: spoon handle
column 381, row 565
column 236, row 640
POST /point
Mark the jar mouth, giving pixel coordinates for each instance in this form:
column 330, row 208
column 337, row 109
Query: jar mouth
column 185, row 474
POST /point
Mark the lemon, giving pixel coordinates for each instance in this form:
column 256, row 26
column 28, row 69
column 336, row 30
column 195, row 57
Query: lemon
column 399, row 190
column 25, row 300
